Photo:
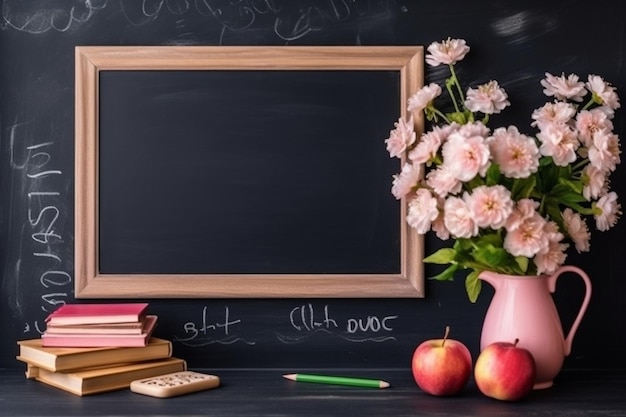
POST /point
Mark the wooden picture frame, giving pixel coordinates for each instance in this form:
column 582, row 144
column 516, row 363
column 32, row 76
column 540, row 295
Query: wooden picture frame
column 91, row 283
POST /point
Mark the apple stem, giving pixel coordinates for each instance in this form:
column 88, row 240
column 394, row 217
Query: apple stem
column 445, row 336
column 516, row 342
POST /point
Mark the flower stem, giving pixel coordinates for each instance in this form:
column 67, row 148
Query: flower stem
column 449, row 83
column 589, row 103
column 580, row 164
column 458, row 85
column 440, row 114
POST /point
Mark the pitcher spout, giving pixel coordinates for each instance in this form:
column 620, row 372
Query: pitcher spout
column 490, row 277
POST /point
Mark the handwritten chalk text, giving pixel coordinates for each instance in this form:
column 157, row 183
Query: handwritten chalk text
column 206, row 331
column 44, row 212
column 307, row 320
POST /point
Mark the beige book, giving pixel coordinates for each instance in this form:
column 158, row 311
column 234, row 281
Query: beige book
column 103, row 379
column 68, row 358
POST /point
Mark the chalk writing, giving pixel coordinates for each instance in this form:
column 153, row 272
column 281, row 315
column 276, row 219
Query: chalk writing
column 308, row 320
column 44, row 213
column 304, row 318
column 371, row 323
column 208, row 331
column 287, row 20
column 39, row 17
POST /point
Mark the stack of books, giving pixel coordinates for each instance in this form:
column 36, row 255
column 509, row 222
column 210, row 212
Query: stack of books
column 99, row 325
column 94, row 348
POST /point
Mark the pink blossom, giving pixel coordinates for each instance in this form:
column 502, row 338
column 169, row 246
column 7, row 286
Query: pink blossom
column 577, row 230
column 526, row 234
column 553, row 113
column 553, row 232
column 560, row 142
column 424, row 97
column 404, row 182
column 564, row 88
column 458, row 218
column 447, row 52
column 603, row 93
column 594, row 182
column 604, row 151
column 607, row 211
column 610, row 113
column 443, row 182
column 551, row 259
column 525, row 209
column 440, row 228
column 490, row 206
column 515, row 153
column 488, row 98
column 401, row 137
column 422, row 211
column 466, row 157
column 553, row 255
column 426, row 149
column 528, row 239
column 473, row 129
column 590, row 121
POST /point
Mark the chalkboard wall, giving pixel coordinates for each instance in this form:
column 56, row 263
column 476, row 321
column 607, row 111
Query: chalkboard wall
column 269, row 178
column 514, row 42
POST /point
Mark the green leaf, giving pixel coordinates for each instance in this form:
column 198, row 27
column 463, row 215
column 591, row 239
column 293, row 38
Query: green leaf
column 473, row 285
column 560, row 191
column 490, row 239
column 545, row 161
column 575, row 186
column 572, row 198
column 493, row 174
column 447, row 274
column 491, row 255
column 523, row 187
column 442, row 256
column 477, row 181
column 551, row 208
column 550, row 174
column 522, row 263
column 462, row 244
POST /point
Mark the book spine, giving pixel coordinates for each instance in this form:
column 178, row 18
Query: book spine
column 32, row 371
column 57, row 340
column 97, row 341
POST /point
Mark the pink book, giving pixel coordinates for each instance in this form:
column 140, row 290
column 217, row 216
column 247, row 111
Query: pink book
column 97, row 313
column 101, row 340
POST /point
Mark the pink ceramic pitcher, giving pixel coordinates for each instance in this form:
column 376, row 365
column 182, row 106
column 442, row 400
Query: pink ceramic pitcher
column 522, row 308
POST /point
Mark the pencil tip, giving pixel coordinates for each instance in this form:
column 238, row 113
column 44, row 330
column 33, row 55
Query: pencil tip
column 384, row 384
column 290, row 376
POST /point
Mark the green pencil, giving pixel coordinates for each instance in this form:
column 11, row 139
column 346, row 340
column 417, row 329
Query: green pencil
column 338, row 380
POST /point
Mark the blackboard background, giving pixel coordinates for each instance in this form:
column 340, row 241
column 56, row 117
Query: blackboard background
column 512, row 42
column 290, row 163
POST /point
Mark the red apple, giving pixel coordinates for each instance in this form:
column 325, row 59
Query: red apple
column 505, row 371
column 442, row 366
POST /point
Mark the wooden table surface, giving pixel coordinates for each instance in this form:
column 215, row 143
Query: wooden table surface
column 261, row 392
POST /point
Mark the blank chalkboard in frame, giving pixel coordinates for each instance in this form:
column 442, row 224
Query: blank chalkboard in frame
column 93, row 282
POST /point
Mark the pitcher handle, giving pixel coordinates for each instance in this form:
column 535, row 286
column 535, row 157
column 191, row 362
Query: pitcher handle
column 552, row 287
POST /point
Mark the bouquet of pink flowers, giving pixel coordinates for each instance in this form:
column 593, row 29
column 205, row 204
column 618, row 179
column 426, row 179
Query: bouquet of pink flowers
column 513, row 203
